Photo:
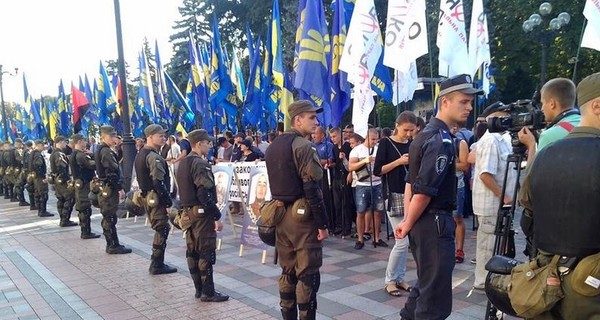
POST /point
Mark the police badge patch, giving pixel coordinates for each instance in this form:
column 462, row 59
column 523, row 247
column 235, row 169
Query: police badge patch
column 440, row 163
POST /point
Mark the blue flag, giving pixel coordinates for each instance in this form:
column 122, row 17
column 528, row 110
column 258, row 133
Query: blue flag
column 198, row 87
column 313, row 51
column 145, row 101
column 106, row 99
column 221, row 89
column 340, row 88
column 252, row 110
column 381, row 82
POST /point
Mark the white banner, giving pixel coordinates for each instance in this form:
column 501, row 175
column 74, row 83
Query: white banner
column 363, row 44
column 479, row 42
column 452, row 39
column 591, row 35
column 361, row 109
column 242, row 169
column 405, row 84
column 406, row 33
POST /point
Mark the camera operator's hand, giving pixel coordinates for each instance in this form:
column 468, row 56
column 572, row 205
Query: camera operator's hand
column 507, row 200
column 526, row 137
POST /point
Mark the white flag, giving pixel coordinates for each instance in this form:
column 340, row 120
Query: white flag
column 361, row 53
column 591, row 35
column 452, row 39
column 479, row 42
column 361, row 109
column 406, row 33
column 405, row 84
column 363, row 44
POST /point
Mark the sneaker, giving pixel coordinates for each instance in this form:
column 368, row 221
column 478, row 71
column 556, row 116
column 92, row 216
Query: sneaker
column 473, row 261
column 359, row 245
column 460, row 256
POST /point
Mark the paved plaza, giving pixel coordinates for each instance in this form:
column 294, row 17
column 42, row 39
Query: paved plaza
column 48, row 272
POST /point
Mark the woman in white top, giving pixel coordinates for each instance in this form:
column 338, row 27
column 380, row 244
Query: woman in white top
column 172, row 155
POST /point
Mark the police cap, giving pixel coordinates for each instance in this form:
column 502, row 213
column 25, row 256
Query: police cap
column 300, row 106
column 494, row 107
column 154, row 129
column 108, row 130
column 588, row 89
column 461, row 82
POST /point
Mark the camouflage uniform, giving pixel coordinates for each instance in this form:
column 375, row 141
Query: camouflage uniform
column 37, row 166
column 83, row 169
column 65, row 199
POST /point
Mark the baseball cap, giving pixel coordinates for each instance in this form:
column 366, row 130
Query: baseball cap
column 588, row 89
column 199, row 135
column 300, row 106
column 461, row 82
column 153, row 129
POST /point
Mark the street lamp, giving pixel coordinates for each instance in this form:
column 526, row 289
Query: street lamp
column 546, row 32
column 4, row 120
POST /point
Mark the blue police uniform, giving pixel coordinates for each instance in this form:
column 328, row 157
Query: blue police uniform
column 432, row 172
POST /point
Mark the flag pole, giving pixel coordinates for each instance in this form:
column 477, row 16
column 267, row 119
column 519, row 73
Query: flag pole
column 578, row 50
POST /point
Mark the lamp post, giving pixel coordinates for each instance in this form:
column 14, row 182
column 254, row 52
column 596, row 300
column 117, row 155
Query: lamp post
column 128, row 145
column 4, row 120
column 545, row 32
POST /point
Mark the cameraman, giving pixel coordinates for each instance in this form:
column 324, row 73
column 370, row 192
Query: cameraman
column 558, row 100
column 562, row 187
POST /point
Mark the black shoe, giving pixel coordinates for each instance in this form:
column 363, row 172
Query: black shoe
column 380, row 243
column 23, row 204
column 45, row 214
column 90, row 235
column 164, row 269
column 118, row 250
column 14, row 200
column 68, row 223
column 359, row 245
column 34, row 208
column 216, row 297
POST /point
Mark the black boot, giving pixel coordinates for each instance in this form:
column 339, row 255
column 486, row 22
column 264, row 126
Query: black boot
column 112, row 240
column 115, row 248
column 192, row 262
column 65, row 214
column 209, row 294
column 32, row 202
column 1, row 189
column 6, row 192
column 291, row 314
column 84, row 222
column 13, row 194
column 158, row 266
column 42, row 201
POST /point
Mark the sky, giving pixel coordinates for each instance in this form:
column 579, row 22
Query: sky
column 50, row 40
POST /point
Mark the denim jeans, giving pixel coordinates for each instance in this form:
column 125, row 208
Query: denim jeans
column 396, row 267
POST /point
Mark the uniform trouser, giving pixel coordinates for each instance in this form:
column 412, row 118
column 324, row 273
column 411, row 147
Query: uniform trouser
column 432, row 244
column 300, row 257
column 342, row 203
column 20, row 187
column 109, row 207
column 201, row 243
column 65, row 201
column 30, row 187
column 573, row 305
column 83, row 205
column 8, row 186
column 41, row 194
column 159, row 221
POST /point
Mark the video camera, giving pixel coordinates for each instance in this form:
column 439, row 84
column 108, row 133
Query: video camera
column 521, row 114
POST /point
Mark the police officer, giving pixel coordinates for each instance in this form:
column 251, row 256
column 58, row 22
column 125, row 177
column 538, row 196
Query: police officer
column 28, row 186
column 38, row 170
column 567, row 222
column 83, row 169
column 109, row 174
column 296, row 173
column 197, row 192
column 431, row 188
column 153, row 177
column 21, row 173
column 59, row 168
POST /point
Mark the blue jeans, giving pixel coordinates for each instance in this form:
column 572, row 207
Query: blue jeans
column 396, row 267
column 460, row 203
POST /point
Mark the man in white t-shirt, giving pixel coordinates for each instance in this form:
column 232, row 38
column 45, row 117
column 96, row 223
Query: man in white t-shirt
column 368, row 191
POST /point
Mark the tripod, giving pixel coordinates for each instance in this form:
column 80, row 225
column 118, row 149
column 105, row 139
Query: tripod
column 505, row 235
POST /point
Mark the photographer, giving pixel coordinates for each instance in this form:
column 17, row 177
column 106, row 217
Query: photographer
column 492, row 153
column 558, row 100
column 562, row 190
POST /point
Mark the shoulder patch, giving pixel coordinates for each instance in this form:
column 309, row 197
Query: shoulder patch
column 440, row 163
column 445, row 136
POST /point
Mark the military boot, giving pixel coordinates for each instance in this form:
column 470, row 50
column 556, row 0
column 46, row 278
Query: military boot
column 42, row 201
column 115, row 248
column 6, row 192
column 195, row 274
column 1, row 189
column 32, row 202
column 158, row 266
column 13, row 194
column 84, row 222
column 22, row 201
column 291, row 314
column 209, row 294
column 65, row 215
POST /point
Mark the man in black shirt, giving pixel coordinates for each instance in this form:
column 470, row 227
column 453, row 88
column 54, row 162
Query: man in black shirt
column 343, row 200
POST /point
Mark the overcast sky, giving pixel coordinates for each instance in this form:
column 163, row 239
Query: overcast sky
column 50, row 40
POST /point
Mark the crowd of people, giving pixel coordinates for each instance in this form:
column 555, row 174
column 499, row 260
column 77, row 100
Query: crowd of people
column 420, row 179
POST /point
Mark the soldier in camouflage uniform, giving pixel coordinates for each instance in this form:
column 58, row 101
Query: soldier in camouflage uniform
column 83, row 169
column 28, row 186
column 20, row 173
column 8, row 162
column 59, row 167
column 37, row 167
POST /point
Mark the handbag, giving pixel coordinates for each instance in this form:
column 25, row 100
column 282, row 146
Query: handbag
column 363, row 173
column 533, row 289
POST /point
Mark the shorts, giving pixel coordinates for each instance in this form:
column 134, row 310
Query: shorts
column 460, row 203
column 364, row 200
